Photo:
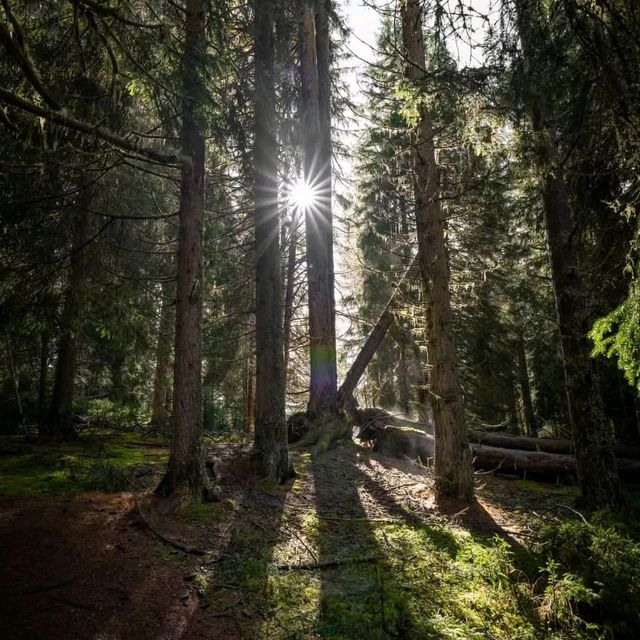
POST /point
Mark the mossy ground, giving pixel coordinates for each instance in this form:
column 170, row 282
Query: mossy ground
column 92, row 463
column 354, row 547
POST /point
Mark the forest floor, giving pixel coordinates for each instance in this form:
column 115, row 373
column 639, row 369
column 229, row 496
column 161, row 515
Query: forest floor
column 353, row 547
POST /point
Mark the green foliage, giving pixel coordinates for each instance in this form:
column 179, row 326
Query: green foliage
column 104, row 413
column 594, row 570
column 219, row 415
column 617, row 335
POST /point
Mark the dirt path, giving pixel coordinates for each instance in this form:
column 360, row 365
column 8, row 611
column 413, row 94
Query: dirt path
column 90, row 568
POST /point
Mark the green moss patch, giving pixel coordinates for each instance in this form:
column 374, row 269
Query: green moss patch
column 70, row 469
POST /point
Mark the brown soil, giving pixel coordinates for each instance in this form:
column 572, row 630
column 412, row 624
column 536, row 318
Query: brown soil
column 92, row 567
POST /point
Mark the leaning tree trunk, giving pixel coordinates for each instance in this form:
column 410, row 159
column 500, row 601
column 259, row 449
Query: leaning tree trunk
column 59, row 422
column 159, row 413
column 373, row 341
column 186, row 474
column 597, row 471
column 453, row 469
column 318, row 224
column 270, row 429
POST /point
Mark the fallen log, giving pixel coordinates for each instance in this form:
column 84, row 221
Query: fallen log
column 398, row 442
column 371, row 419
column 515, row 461
column 546, row 445
column 541, row 464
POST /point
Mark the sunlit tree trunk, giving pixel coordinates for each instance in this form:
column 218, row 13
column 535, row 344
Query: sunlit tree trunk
column 270, row 430
column 186, row 474
column 59, row 422
column 597, row 470
column 453, row 468
column 289, row 291
column 318, row 222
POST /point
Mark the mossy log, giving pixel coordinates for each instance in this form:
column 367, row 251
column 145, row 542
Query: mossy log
column 546, row 445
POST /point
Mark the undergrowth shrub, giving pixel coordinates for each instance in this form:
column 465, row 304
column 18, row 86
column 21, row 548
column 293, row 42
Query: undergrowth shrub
column 104, row 413
column 594, row 570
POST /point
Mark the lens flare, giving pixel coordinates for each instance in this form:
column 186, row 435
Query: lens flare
column 302, row 195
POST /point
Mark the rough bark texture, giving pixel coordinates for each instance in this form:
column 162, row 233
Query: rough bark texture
column 453, row 470
column 166, row 328
column 270, row 430
column 186, row 474
column 598, row 477
column 547, row 445
column 59, row 422
column 249, row 397
column 528, row 418
column 318, row 223
column 372, row 343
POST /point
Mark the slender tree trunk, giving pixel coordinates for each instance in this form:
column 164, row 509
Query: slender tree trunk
column 159, row 413
column 453, row 468
column 16, row 382
column 271, row 429
column 186, row 474
column 249, row 397
column 318, row 223
column 525, row 390
column 290, row 290
column 45, row 338
column 597, row 471
column 59, row 422
column 404, row 388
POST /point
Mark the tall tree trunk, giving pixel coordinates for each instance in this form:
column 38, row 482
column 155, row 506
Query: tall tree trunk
column 59, row 422
column 16, row 383
column 453, row 468
column 186, row 474
column 45, row 338
column 597, row 471
column 404, row 388
column 159, row 413
column 271, row 429
column 525, row 390
column 249, row 397
column 318, row 223
column 290, row 290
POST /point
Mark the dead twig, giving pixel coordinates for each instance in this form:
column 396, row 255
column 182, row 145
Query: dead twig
column 562, row 506
column 173, row 543
column 327, row 564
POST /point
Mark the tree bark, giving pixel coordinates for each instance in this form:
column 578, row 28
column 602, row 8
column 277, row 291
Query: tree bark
column 453, row 469
column 290, row 291
column 45, row 338
column 525, row 390
column 318, row 224
column 249, row 397
column 547, row 445
column 271, row 430
column 598, row 477
column 186, row 474
column 166, row 327
column 59, row 422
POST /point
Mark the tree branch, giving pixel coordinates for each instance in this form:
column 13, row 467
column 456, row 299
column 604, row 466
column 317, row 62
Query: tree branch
column 96, row 130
